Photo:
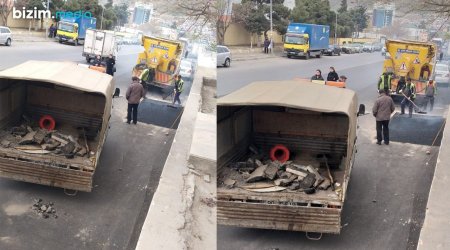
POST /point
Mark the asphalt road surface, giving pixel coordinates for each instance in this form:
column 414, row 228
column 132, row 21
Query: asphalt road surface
column 389, row 185
column 111, row 216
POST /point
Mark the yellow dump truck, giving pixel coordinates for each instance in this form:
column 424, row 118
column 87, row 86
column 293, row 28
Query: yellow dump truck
column 409, row 59
column 162, row 57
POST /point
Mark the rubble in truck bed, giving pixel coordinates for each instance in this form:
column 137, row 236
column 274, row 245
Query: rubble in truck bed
column 29, row 138
column 264, row 175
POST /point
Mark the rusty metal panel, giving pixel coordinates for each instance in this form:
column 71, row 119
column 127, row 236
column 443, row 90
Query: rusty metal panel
column 46, row 175
column 279, row 217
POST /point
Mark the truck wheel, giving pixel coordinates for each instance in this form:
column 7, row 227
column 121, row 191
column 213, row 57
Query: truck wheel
column 75, row 43
column 307, row 56
column 319, row 55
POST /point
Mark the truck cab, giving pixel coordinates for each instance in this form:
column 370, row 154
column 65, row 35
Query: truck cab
column 73, row 30
column 67, row 31
column 306, row 40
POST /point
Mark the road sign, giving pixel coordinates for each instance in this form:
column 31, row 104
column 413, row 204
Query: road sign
column 403, row 66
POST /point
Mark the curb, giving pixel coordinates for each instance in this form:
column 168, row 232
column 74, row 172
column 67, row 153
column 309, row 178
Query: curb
column 173, row 197
column 256, row 58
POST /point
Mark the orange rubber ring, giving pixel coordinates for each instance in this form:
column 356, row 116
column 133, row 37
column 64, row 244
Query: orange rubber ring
column 279, row 153
column 47, row 122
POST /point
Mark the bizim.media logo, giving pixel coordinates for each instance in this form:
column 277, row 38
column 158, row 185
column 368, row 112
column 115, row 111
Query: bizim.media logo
column 39, row 14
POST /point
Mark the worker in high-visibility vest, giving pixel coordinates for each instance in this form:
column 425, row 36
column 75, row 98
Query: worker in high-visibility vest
column 409, row 91
column 385, row 82
column 178, row 89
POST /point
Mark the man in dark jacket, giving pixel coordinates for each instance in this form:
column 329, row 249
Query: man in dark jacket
column 382, row 110
column 134, row 94
column 266, row 46
column 317, row 76
column 332, row 75
column 110, row 62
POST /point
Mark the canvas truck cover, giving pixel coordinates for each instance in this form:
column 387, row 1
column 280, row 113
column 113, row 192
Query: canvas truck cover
column 299, row 95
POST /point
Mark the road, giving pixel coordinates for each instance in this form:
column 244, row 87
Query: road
column 389, row 187
column 111, row 216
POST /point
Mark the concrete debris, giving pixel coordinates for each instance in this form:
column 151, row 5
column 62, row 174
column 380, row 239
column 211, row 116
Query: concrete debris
column 5, row 143
column 20, row 131
column 229, row 183
column 289, row 175
column 28, row 138
column 46, row 210
column 257, row 175
column 40, row 135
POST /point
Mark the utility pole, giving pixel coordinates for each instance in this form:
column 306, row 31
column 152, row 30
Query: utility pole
column 271, row 27
column 101, row 23
column 335, row 30
column 46, row 25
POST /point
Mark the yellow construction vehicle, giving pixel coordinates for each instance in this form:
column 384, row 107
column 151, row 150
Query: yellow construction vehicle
column 162, row 58
column 409, row 59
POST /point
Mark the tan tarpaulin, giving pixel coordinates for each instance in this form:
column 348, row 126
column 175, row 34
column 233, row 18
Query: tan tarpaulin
column 300, row 94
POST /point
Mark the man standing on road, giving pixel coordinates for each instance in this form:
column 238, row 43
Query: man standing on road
column 110, row 62
column 430, row 92
column 178, row 89
column 266, row 46
column 134, row 94
column 382, row 110
column 332, row 75
column 409, row 91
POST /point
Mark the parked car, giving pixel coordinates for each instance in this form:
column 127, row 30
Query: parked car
column 333, row 50
column 5, row 36
column 347, row 49
column 442, row 74
column 377, row 46
column 358, row 47
column 223, row 56
column 186, row 69
column 368, row 48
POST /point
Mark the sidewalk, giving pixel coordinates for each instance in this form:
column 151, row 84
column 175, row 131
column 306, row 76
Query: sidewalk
column 24, row 35
column 239, row 53
column 436, row 227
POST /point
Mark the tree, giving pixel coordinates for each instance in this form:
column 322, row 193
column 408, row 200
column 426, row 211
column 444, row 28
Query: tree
column 6, row 6
column 343, row 7
column 359, row 18
column 224, row 18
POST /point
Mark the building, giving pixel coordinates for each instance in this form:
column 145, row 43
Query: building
column 142, row 13
column 383, row 15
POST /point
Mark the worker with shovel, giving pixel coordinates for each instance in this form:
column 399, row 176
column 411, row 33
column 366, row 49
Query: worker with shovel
column 409, row 93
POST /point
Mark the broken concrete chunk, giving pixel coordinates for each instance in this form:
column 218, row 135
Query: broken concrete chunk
column 285, row 182
column 257, row 175
column 21, row 131
column 27, row 139
column 59, row 138
column 296, row 172
column 308, row 181
column 325, row 184
column 40, row 136
column 68, row 148
column 5, row 143
column 229, row 183
column 271, row 171
column 82, row 152
column 285, row 175
column 295, row 185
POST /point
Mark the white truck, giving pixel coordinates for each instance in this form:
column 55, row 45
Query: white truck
column 99, row 43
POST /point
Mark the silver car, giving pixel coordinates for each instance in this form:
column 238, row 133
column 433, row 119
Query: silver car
column 442, row 74
column 5, row 36
column 223, row 56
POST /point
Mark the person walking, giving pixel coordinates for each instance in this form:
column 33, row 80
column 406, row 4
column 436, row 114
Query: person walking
column 318, row 76
column 332, row 75
column 135, row 93
column 382, row 110
column 178, row 89
column 266, row 46
column 430, row 93
column 110, row 62
column 270, row 45
column 409, row 92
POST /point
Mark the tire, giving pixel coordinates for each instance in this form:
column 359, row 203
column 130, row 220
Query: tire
column 319, row 55
column 307, row 56
column 227, row 63
column 288, row 56
column 75, row 43
column 8, row 42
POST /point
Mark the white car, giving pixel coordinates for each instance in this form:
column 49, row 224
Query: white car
column 442, row 74
column 223, row 56
column 5, row 36
column 186, row 69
